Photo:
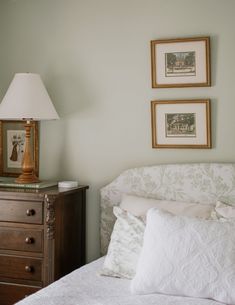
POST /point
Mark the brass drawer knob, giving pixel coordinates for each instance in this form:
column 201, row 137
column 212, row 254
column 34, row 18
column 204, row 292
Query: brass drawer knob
column 29, row 240
column 30, row 212
column 28, row 269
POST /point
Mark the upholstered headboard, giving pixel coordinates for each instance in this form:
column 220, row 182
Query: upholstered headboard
column 198, row 182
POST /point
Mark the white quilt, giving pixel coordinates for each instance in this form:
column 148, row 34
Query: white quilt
column 85, row 286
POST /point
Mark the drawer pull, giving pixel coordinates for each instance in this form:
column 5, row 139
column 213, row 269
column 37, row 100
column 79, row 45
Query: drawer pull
column 29, row 240
column 30, row 212
column 28, row 269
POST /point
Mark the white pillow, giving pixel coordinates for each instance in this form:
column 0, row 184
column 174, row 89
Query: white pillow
column 225, row 210
column 125, row 245
column 127, row 236
column 139, row 206
column 188, row 257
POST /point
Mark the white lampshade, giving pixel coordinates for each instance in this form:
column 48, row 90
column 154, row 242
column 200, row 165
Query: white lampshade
column 27, row 98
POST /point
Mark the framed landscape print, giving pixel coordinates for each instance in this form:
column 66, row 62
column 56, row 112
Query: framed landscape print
column 181, row 124
column 181, row 62
column 12, row 142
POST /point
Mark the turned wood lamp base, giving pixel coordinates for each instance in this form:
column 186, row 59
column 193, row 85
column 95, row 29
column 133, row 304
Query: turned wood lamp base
column 27, row 178
column 27, row 175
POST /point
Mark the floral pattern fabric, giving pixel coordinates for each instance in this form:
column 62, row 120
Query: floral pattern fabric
column 204, row 183
column 125, row 245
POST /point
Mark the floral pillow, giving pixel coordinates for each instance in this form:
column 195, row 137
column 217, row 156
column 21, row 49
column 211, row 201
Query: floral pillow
column 125, row 245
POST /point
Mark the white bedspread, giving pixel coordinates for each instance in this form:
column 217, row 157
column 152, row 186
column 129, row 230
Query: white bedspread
column 85, row 286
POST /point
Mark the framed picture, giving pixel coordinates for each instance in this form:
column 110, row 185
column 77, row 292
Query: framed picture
column 180, row 62
column 12, row 143
column 181, row 124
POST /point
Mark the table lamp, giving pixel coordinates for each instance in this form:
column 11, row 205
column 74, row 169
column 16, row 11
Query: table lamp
column 27, row 99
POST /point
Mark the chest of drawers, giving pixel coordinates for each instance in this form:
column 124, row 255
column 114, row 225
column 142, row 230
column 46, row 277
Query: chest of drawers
column 42, row 238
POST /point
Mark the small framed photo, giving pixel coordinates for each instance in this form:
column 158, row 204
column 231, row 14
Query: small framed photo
column 12, row 143
column 181, row 124
column 181, row 62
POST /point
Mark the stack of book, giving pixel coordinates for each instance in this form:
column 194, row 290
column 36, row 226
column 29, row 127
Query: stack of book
column 10, row 182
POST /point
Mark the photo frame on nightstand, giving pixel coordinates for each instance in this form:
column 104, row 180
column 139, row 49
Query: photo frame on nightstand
column 12, row 141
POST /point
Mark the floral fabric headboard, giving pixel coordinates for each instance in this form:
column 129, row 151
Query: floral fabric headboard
column 198, row 182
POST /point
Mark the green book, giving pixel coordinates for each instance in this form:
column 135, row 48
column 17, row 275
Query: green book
column 10, row 182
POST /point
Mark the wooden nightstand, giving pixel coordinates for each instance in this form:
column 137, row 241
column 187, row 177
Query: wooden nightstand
column 42, row 238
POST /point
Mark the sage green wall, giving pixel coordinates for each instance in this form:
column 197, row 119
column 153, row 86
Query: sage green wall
column 94, row 58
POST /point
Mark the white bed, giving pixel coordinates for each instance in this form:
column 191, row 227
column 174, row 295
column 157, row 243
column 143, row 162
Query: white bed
column 198, row 183
column 86, row 287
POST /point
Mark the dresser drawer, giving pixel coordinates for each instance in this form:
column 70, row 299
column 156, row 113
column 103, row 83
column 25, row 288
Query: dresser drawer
column 20, row 239
column 10, row 293
column 23, row 268
column 21, row 211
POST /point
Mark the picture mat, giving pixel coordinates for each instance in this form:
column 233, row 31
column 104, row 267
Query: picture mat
column 19, row 149
column 201, row 123
column 198, row 46
column 16, row 126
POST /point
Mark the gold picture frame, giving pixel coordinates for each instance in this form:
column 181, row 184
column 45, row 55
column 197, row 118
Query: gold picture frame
column 182, row 62
column 181, row 123
column 12, row 139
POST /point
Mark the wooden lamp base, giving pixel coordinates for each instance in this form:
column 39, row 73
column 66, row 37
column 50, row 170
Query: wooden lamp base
column 27, row 175
column 27, row 178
